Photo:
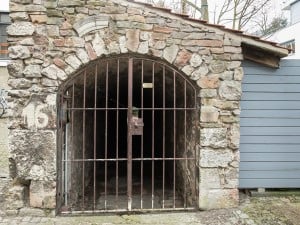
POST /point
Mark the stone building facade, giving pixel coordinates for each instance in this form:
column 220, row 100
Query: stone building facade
column 51, row 40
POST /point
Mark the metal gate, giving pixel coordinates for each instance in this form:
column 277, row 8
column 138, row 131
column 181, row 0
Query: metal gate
column 127, row 136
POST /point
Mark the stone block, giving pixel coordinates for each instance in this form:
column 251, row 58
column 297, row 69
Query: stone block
column 209, row 82
column 201, row 72
column 53, row 72
column 38, row 18
column 42, row 194
column 230, row 90
column 188, row 70
column 208, row 93
column 73, row 61
column 34, row 153
column 82, row 55
column 217, row 66
column 143, row 47
column 19, row 16
column 213, row 137
column 233, row 64
column 15, row 197
column 15, row 68
column 31, row 212
column 196, row 60
column 20, row 29
column 90, row 51
column 209, row 178
column 19, row 83
column 232, row 49
column 32, row 71
column 215, row 158
column 234, row 136
column 182, row 58
column 170, row 53
column 204, row 43
column 209, row 114
column 99, row 45
column 238, row 74
column 132, row 42
column 19, row 52
column 218, row 198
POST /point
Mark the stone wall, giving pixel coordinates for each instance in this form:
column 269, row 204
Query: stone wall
column 4, row 173
column 50, row 40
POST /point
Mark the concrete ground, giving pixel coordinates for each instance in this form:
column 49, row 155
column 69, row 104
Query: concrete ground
column 255, row 210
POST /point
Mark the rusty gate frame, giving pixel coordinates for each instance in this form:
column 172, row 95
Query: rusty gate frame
column 64, row 111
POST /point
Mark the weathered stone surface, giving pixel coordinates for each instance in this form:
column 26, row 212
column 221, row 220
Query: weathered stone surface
column 69, row 3
column 230, row 90
column 214, row 137
column 232, row 49
column 15, row 197
column 99, row 45
column 38, row 18
column 218, row 198
column 170, row 53
column 209, row 82
column 90, row 51
column 217, row 66
column 208, row 93
column 34, row 212
column 42, row 194
column 15, row 68
column 82, row 55
column 19, row 16
column 37, row 149
column 217, row 178
column 27, row 41
column 202, row 71
column 227, row 75
column 188, row 70
column 73, row 61
column 234, row 136
column 215, row 158
column 205, row 43
column 238, row 74
column 209, row 114
column 196, row 60
column 32, row 71
column 53, row 72
column 132, row 42
column 143, row 47
column 19, row 83
column 183, row 57
column 18, row 52
column 20, row 29
column 234, row 64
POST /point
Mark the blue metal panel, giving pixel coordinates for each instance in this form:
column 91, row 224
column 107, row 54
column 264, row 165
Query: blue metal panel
column 270, row 126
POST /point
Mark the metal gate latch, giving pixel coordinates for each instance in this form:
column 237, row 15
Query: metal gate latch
column 137, row 125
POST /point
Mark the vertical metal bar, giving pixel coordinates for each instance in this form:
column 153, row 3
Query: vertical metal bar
column 106, row 127
column 142, row 137
column 62, row 185
column 117, row 136
column 153, row 141
column 174, row 139
column 95, row 132
column 164, row 133
column 83, row 140
column 129, row 135
column 185, row 149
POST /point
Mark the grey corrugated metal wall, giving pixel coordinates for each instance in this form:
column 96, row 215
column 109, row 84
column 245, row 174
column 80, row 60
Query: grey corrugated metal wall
column 270, row 126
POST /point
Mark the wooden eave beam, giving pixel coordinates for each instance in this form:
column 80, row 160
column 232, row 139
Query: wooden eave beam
column 261, row 56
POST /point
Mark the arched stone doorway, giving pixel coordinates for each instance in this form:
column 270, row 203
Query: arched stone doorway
column 127, row 137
